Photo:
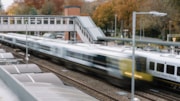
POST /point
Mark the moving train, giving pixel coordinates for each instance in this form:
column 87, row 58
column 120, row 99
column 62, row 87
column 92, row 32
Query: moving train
column 163, row 66
column 112, row 66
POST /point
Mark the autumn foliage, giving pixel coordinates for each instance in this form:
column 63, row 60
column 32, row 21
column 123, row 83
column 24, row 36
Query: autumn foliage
column 45, row 7
column 103, row 12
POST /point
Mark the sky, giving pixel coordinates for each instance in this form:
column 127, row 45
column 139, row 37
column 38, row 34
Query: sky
column 7, row 3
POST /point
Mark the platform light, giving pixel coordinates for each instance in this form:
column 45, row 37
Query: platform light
column 154, row 13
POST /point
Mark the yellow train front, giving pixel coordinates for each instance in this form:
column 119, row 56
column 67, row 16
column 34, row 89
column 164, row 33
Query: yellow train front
column 119, row 69
column 141, row 76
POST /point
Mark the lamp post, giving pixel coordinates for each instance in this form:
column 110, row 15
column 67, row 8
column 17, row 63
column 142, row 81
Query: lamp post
column 155, row 13
column 140, row 28
column 169, row 35
column 26, row 57
column 143, row 27
column 115, row 26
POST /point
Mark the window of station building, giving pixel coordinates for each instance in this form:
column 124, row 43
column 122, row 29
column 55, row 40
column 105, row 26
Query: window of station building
column 39, row 20
column 45, row 20
column 64, row 21
column 71, row 21
column 5, row 20
column 178, row 71
column 58, row 21
column 19, row 21
column 52, row 20
column 160, row 67
column 151, row 65
column 170, row 69
column 12, row 21
column 26, row 20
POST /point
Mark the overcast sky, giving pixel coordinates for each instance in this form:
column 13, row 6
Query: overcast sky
column 6, row 3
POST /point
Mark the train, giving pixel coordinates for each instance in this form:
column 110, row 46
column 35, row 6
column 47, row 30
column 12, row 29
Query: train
column 164, row 66
column 111, row 63
column 112, row 66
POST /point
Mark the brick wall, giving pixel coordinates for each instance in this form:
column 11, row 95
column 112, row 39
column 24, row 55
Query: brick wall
column 72, row 11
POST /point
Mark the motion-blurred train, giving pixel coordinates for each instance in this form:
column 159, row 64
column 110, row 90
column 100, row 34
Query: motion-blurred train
column 113, row 64
column 163, row 66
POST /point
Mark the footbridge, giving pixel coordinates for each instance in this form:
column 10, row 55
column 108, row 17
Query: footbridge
column 83, row 25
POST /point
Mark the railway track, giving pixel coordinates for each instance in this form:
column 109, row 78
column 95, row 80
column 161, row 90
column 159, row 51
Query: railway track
column 159, row 93
column 95, row 87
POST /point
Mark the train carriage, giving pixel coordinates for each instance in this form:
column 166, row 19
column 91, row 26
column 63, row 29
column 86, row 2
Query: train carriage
column 112, row 65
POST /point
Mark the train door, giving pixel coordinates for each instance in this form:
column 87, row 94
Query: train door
column 140, row 64
column 178, row 74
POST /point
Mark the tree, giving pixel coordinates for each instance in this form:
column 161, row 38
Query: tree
column 88, row 8
column 158, row 24
column 103, row 16
column 34, row 3
column 33, row 11
column 18, row 8
column 73, row 2
column 58, row 6
column 47, row 8
column 1, row 9
column 0, row 5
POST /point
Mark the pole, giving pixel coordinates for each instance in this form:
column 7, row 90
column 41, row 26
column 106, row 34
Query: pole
column 26, row 57
column 140, row 29
column 115, row 24
column 169, row 27
column 121, row 29
column 143, row 27
column 74, row 32
column 169, row 30
column 133, row 56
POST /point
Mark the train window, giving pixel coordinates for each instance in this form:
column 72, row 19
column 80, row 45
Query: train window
column 100, row 60
column 44, row 47
column 21, row 42
column 9, row 39
column 178, row 71
column 160, row 67
column 170, row 69
column 151, row 65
